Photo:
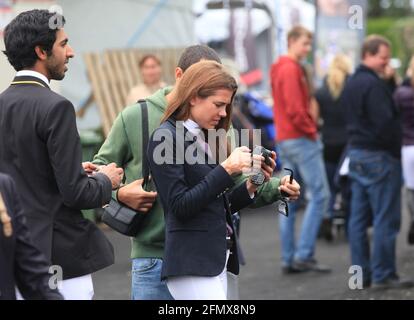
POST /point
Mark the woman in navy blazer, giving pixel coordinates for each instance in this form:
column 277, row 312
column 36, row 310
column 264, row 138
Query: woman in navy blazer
column 194, row 185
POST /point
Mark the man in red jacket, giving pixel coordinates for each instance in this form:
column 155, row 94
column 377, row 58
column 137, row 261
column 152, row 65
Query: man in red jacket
column 300, row 149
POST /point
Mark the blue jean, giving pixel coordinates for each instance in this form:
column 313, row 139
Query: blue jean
column 146, row 280
column 331, row 169
column 304, row 155
column 376, row 198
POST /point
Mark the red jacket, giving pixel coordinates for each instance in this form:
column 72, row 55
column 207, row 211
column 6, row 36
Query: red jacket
column 291, row 101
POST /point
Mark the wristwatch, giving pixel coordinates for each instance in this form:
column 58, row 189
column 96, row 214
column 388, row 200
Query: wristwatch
column 257, row 179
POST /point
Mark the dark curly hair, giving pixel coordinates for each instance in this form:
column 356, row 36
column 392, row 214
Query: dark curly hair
column 28, row 30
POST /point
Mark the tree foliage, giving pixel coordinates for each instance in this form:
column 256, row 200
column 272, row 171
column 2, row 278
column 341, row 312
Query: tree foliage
column 389, row 8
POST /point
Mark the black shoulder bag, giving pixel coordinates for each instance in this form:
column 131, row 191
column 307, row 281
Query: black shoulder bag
column 120, row 217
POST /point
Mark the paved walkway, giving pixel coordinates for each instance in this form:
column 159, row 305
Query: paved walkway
column 261, row 278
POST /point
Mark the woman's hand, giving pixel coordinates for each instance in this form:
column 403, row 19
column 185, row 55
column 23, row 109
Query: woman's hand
column 268, row 169
column 240, row 160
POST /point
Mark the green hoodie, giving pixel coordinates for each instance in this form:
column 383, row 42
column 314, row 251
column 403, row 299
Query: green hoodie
column 123, row 146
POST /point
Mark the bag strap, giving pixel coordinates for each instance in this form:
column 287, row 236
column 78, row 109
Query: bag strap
column 145, row 138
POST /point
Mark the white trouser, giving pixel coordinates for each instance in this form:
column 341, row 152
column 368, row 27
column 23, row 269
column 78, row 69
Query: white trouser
column 80, row 288
column 199, row 288
column 407, row 155
column 232, row 286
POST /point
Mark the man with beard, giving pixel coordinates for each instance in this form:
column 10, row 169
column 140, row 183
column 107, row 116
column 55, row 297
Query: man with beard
column 40, row 149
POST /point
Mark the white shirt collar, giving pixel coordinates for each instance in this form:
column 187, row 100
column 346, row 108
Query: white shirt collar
column 32, row 73
column 192, row 126
column 195, row 130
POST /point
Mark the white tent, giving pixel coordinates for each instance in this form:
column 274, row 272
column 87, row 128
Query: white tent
column 213, row 25
column 270, row 21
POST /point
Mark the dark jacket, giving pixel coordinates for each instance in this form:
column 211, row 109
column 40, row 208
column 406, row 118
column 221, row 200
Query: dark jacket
column 373, row 120
column 21, row 263
column 333, row 128
column 196, row 206
column 40, row 149
column 404, row 98
column 333, row 114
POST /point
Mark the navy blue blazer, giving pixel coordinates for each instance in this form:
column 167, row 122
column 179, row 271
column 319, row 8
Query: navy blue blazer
column 197, row 204
column 21, row 263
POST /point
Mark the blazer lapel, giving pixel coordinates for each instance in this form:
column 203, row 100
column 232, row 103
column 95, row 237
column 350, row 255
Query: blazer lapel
column 201, row 149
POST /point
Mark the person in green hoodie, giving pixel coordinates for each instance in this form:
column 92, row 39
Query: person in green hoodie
column 123, row 146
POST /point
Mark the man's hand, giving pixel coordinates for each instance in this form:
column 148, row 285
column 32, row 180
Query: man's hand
column 293, row 189
column 135, row 197
column 389, row 72
column 89, row 167
column 113, row 173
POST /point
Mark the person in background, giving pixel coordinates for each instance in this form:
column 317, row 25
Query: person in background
column 150, row 69
column 301, row 150
column 404, row 98
column 331, row 116
column 374, row 139
column 409, row 73
column 21, row 263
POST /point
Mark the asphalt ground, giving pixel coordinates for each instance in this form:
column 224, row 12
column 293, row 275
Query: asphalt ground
column 261, row 278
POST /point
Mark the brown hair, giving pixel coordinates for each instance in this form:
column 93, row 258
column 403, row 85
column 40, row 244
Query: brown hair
column 202, row 80
column 297, row 31
column 373, row 43
column 146, row 57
